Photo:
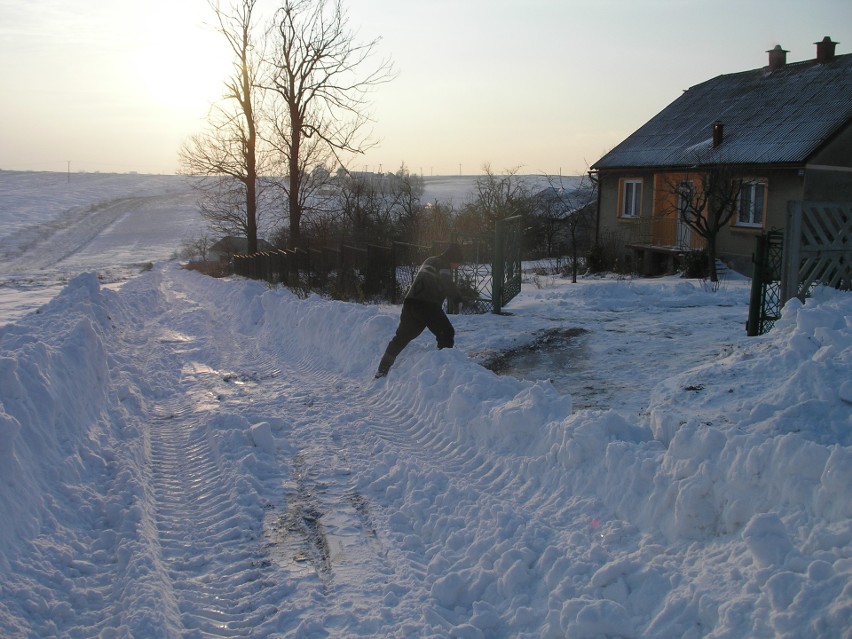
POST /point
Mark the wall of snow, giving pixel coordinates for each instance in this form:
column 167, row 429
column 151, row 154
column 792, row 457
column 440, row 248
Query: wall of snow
column 58, row 423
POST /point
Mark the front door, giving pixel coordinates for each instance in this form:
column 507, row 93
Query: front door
column 685, row 211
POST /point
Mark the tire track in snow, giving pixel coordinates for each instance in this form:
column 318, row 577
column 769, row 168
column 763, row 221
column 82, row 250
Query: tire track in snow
column 480, row 494
column 47, row 245
column 322, row 532
column 315, row 516
column 363, row 458
column 209, row 554
column 414, row 429
column 208, row 542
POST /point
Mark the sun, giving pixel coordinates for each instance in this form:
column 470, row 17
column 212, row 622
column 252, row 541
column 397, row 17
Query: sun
column 184, row 67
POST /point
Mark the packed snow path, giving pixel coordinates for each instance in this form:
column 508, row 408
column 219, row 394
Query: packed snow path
column 320, row 536
column 189, row 457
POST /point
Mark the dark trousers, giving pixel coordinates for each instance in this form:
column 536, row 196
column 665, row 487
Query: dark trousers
column 417, row 315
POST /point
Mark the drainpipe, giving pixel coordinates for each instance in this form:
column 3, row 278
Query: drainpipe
column 595, row 177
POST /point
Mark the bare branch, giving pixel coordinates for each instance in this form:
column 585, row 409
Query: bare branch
column 231, row 147
column 320, row 76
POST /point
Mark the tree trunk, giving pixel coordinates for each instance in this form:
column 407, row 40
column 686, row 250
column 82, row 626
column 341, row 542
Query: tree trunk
column 251, row 214
column 574, row 256
column 251, row 161
column 295, row 179
column 711, row 259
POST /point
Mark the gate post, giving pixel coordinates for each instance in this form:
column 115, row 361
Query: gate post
column 755, row 300
column 765, row 303
column 498, row 266
column 792, row 247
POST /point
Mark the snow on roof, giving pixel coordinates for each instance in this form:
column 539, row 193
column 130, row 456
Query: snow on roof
column 776, row 116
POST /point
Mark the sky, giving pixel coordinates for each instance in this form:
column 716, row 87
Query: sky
column 538, row 86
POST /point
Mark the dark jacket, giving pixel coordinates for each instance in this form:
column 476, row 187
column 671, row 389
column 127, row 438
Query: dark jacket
column 434, row 282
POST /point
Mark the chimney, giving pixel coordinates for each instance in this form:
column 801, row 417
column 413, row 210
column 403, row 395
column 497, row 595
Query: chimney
column 825, row 50
column 777, row 58
column 718, row 133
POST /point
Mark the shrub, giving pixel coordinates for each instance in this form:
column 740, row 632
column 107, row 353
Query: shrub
column 695, row 264
column 597, row 259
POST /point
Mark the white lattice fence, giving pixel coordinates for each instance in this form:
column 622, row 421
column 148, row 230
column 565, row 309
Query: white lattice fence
column 817, row 247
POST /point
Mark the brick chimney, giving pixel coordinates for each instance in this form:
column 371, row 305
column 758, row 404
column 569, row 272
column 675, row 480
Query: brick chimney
column 825, row 50
column 718, row 133
column 777, row 58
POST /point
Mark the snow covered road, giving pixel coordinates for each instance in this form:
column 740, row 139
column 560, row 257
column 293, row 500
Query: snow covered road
column 341, row 464
column 190, row 457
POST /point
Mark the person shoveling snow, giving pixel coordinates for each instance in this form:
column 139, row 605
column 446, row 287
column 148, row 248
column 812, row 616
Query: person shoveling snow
column 421, row 307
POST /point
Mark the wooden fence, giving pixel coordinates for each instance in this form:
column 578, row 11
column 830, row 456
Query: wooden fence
column 817, row 247
column 346, row 271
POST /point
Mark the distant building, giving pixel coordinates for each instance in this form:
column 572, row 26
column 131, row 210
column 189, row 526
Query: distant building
column 784, row 129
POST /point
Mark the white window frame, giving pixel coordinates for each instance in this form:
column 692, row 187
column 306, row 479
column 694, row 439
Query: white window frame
column 749, row 218
column 631, row 207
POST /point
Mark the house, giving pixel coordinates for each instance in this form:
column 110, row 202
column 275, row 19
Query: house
column 784, row 131
column 232, row 245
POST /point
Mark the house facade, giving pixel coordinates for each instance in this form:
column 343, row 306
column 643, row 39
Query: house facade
column 780, row 133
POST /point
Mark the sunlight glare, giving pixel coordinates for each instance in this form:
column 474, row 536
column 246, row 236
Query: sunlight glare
column 184, row 67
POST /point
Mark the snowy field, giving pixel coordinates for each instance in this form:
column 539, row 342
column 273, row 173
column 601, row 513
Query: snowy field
column 189, row 457
column 54, row 226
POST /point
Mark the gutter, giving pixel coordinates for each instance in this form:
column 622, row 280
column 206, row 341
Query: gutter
column 594, row 176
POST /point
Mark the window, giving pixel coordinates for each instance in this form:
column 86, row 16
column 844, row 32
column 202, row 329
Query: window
column 630, row 198
column 752, row 204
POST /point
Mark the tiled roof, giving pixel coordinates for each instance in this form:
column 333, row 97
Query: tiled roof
column 769, row 117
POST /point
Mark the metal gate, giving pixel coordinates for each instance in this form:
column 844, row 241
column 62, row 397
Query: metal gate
column 491, row 273
column 507, row 261
column 766, row 302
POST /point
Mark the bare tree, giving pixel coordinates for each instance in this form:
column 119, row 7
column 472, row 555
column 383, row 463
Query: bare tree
column 568, row 209
column 313, row 177
column 228, row 153
column 223, row 206
column 497, row 197
column 434, row 223
column 406, row 191
column 196, row 246
column 320, row 75
column 705, row 200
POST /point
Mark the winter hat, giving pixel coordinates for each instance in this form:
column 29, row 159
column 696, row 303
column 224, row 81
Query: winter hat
column 453, row 254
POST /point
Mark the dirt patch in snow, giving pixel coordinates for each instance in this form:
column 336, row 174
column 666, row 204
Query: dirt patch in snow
column 544, row 341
